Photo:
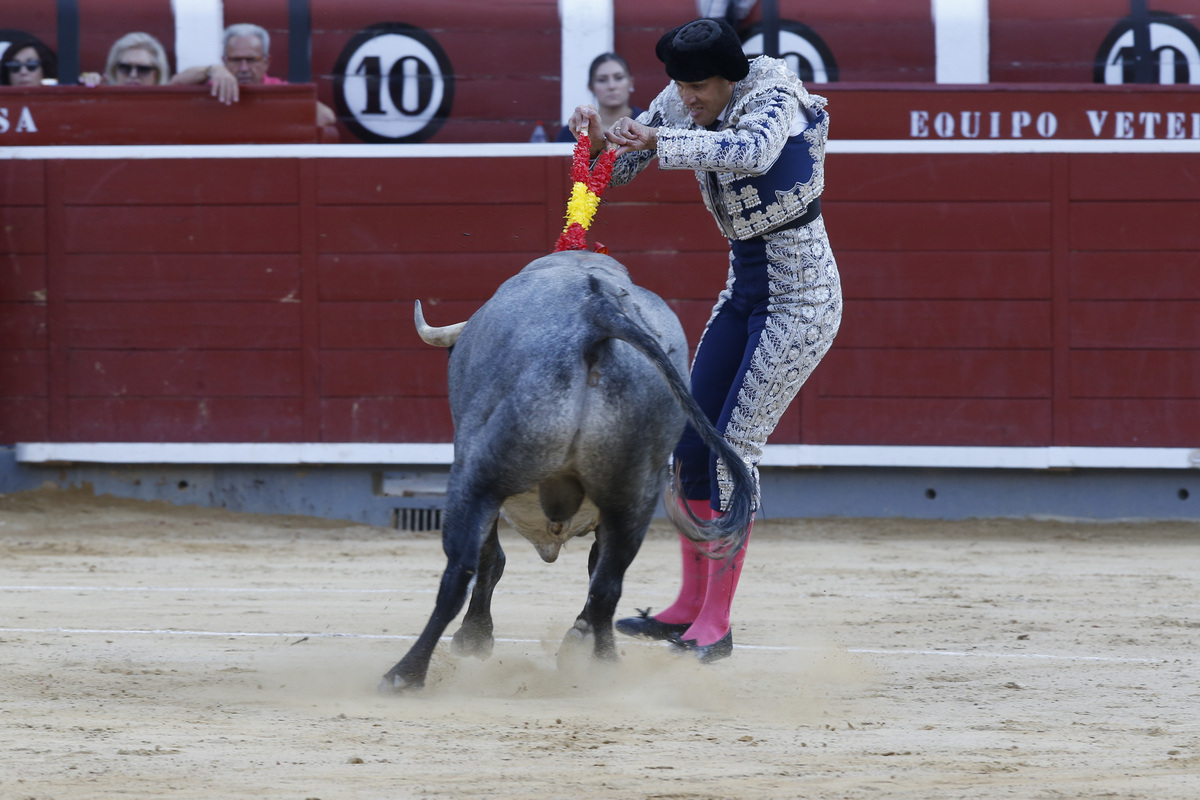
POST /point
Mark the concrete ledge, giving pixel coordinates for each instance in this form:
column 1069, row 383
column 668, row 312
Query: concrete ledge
column 388, row 494
column 780, row 455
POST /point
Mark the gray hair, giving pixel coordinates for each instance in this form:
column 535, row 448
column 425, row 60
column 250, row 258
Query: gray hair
column 248, row 29
column 138, row 41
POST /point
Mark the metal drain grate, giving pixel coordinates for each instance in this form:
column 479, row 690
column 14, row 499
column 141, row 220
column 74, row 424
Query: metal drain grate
column 417, row 519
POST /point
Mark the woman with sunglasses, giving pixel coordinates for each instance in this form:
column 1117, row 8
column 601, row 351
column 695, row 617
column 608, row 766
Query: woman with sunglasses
column 28, row 62
column 136, row 59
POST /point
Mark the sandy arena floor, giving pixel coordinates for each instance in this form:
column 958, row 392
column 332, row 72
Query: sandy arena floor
column 158, row 652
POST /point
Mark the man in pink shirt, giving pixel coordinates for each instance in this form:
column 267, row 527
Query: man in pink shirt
column 247, row 56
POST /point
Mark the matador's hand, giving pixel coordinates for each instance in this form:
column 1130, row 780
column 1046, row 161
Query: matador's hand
column 630, row 135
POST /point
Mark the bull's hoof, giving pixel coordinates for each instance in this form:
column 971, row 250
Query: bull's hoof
column 576, row 648
column 395, row 683
column 468, row 642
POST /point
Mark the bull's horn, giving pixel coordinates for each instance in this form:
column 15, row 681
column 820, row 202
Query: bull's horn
column 438, row 337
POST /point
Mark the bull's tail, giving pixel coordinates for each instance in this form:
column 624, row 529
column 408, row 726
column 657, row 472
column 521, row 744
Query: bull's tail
column 733, row 526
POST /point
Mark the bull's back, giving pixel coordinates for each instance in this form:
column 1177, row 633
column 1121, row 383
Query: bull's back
column 531, row 376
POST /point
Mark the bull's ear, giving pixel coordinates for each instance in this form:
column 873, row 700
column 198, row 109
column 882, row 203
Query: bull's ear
column 438, row 337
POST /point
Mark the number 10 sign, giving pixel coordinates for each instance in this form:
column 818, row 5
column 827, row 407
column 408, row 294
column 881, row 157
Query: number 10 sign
column 393, row 83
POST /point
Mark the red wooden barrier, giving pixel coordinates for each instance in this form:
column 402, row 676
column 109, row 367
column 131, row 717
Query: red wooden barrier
column 65, row 115
column 1009, row 298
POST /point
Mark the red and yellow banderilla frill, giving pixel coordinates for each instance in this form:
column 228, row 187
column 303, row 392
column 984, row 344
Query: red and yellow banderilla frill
column 585, row 193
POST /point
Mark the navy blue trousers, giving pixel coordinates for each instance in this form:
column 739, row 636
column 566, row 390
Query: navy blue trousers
column 771, row 326
column 721, row 362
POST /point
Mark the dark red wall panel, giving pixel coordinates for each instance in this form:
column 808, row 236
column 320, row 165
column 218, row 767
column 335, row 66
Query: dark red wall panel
column 184, row 373
column 1162, row 225
column 956, row 372
column 461, row 227
column 961, row 275
column 167, row 277
column 674, row 275
column 1032, row 40
column 417, row 276
column 1157, row 422
column 1132, row 176
column 182, row 229
column 1135, row 324
column 1124, row 275
column 503, row 181
column 165, row 326
column 939, row 226
column 22, row 326
column 23, row 277
column 192, row 419
column 1135, row 373
column 378, row 326
column 22, row 183
column 682, row 227
column 912, row 421
column 23, row 373
column 24, row 419
column 193, row 182
column 22, row 229
column 946, row 324
column 897, row 177
column 386, row 419
column 384, row 373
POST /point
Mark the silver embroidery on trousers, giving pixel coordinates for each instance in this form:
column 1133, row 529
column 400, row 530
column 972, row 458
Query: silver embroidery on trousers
column 804, row 311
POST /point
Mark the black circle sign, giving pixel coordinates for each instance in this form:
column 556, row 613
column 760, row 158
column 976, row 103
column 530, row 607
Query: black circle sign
column 1172, row 45
column 393, row 83
column 799, row 45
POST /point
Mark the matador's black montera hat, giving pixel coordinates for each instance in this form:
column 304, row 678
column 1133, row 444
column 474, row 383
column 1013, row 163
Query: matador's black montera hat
column 701, row 49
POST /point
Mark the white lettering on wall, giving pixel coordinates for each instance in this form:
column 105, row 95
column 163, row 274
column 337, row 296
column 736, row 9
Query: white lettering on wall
column 1175, row 125
column 1022, row 124
column 918, row 124
column 1124, row 122
column 25, row 121
column 1149, row 119
column 1020, row 121
column 943, row 124
column 970, row 124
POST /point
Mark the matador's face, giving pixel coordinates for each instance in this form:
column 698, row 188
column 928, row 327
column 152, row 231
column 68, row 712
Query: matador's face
column 706, row 99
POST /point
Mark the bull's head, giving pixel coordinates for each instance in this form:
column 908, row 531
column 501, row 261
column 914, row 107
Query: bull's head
column 438, row 337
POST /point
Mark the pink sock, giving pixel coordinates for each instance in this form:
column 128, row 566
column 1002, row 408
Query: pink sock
column 695, row 574
column 712, row 623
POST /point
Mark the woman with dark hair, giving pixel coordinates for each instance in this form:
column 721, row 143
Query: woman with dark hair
column 609, row 80
column 28, row 62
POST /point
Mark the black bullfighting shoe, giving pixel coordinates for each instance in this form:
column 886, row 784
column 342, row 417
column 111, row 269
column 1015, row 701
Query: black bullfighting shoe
column 706, row 653
column 647, row 627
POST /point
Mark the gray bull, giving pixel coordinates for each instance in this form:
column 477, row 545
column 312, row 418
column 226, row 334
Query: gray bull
column 568, row 395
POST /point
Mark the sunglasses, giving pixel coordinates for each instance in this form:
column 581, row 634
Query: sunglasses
column 141, row 70
column 31, row 65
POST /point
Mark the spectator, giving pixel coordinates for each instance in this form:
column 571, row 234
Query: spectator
column 28, row 62
column 611, row 84
column 247, row 55
column 136, row 59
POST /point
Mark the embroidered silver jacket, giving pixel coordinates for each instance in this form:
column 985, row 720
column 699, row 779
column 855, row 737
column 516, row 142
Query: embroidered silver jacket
column 760, row 179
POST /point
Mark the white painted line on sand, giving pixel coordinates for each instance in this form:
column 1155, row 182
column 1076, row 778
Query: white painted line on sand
column 405, row 637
